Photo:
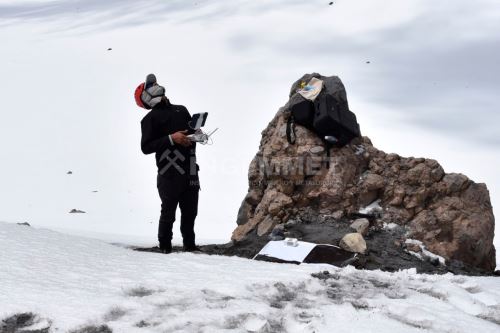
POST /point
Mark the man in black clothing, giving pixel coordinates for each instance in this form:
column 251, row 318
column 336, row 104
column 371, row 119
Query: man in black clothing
column 164, row 132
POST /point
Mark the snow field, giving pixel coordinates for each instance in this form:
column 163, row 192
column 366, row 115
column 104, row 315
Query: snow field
column 70, row 282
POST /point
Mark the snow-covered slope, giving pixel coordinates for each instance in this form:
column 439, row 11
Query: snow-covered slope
column 70, row 282
column 236, row 60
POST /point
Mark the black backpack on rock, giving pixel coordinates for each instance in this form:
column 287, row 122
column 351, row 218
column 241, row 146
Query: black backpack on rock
column 332, row 118
column 301, row 113
column 328, row 116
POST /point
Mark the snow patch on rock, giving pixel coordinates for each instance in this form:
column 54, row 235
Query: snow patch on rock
column 426, row 254
column 372, row 208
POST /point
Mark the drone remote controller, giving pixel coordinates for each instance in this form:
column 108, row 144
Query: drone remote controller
column 198, row 137
column 201, row 137
column 196, row 123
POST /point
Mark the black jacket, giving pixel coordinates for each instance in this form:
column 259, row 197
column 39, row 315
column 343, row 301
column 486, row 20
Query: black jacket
column 172, row 159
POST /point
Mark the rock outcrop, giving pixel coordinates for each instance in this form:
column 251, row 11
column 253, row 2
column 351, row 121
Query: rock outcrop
column 449, row 213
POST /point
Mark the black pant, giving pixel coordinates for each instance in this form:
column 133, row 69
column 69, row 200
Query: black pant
column 183, row 191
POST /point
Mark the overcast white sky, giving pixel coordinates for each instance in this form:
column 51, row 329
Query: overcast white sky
column 430, row 90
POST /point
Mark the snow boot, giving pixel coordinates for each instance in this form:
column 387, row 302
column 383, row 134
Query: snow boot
column 166, row 248
column 191, row 248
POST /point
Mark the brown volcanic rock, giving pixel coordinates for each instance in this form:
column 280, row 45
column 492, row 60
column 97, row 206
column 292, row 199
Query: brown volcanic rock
column 449, row 213
column 459, row 226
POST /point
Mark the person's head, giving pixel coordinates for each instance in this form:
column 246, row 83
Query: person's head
column 153, row 93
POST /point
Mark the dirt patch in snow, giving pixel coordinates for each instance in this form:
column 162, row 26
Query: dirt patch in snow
column 25, row 323
column 386, row 249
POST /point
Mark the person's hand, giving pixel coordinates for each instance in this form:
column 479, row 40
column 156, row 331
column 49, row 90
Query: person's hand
column 181, row 138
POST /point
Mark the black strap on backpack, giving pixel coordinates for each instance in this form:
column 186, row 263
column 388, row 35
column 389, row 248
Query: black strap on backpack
column 290, row 130
column 328, row 146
